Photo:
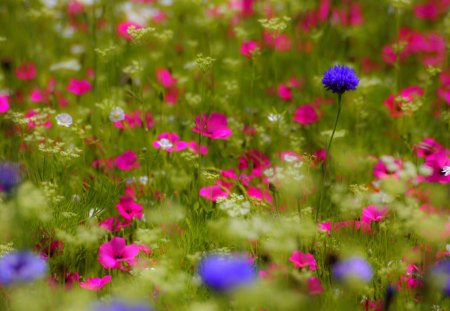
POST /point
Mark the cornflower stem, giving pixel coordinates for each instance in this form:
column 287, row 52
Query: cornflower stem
column 327, row 156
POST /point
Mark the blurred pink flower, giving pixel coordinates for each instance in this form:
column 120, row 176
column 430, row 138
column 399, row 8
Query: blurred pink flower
column 408, row 95
column 306, row 114
column 284, row 92
column 439, row 162
column 127, row 161
column 427, row 147
column 249, row 47
column 303, row 260
column 169, row 142
column 95, row 284
column 114, row 224
column 165, row 78
column 314, row 286
column 213, row 126
column 122, row 29
column 78, row 87
column 129, row 209
column 4, row 103
column 212, row 193
column 115, row 253
column 373, row 213
column 26, row 72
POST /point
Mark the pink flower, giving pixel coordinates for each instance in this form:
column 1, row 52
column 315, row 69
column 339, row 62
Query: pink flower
column 127, row 161
column 115, row 253
column 129, row 209
column 249, row 47
column 4, row 103
column 254, row 160
column 95, row 284
column 373, row 213
column 213, row 126
column 386, row 167
column 212, row 193
column 26, row 72
column 284, row 92
column 122, row 29
column 165, row 78
column 259, row 194
column 169, row 142
column 440, row 164
column 78, row 87
column 427, row 147
column 314, row 286
column 408, row 95
column 306, row 114
column 114, row 224
column 193, row 146
column 302, row 260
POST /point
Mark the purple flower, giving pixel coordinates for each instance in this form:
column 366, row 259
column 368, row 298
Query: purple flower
column 353, row 268
column 21, row 267
column 118, row 305
column 224, row 273
column 9, row 176
column 441, row 276
column 340, row 79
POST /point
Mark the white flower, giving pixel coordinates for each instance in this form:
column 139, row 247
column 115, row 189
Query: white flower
column 165, row 144
column 64, row 119
column 273, row 117
column 446, row 170
column 117, row 114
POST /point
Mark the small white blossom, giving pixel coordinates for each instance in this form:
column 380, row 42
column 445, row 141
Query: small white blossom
column 117, row 114
column 165, row 144
column 64, row 119
column 446, row 170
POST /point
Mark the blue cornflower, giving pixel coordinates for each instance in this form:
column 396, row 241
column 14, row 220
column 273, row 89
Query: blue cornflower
column 224, row 273
column 21, row 267
column 340, row 79
column 441, row 276
column 118, row 305
column 9, row 176
column 353, row 268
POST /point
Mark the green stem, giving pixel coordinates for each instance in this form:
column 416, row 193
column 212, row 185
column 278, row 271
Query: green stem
column 327, row 156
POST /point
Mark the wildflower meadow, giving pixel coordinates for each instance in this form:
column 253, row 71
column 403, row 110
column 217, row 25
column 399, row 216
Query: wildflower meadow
column 208, row 155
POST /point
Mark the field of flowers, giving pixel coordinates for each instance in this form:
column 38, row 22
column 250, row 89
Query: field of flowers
column 208, row 155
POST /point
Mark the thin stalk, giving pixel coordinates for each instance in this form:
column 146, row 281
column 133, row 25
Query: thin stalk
column 327, row 155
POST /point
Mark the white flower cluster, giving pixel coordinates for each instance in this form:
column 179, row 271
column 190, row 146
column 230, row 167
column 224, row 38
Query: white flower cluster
column 291, row 171
column 235, row 205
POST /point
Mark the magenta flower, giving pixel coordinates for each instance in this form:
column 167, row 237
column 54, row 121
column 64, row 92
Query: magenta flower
column 259, row 194
column 4, row 103
column 302, row 260
column 427, row 147
column 212, row 193
column 284, row 92
column 114, row 224
column 249, row 47
column 306, row 114
column 194, row 147
column 115, row 253
column 165, row 78
column 26, row 72
column 314, row 286
column 408, row 95
column 254, row 160
column 440, row 163
column 373, row 213
column 170, row 142
column 127, row 161
column 213, row 126
column 78, row 87
column 129, row 209
column 95, row 284
column 122, row 29
column 387, row 166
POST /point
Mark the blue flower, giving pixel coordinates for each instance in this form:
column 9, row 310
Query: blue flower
column 118, row 305
column 21, row 267
column 353, row 268
column 9, row 176
column 441, row 276
column 340, row 79
column 224, row 273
